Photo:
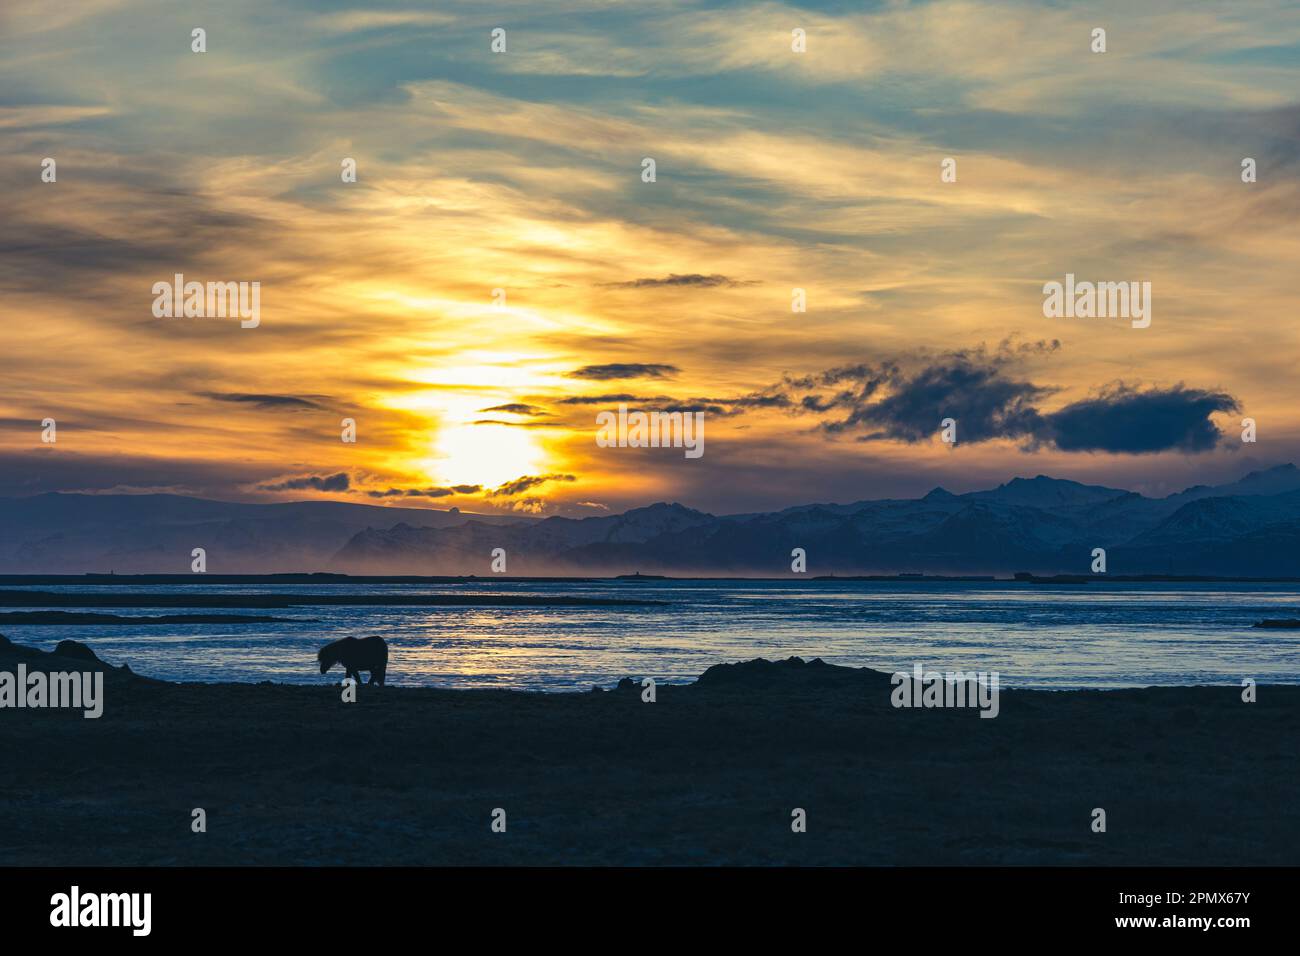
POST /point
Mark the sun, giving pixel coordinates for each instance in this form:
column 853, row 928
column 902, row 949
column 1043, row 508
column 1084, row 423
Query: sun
column 486, row 455
column 470, row 440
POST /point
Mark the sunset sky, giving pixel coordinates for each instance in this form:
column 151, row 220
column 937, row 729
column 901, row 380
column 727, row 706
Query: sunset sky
column 521, row 171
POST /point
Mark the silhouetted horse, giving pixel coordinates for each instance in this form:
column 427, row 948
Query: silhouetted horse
column 368, row 654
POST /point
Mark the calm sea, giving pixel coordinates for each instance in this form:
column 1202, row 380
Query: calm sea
column 1118, row 635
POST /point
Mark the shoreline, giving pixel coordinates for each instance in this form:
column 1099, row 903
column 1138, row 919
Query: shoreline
column 77, row 619
column 902, row 577
column 46, row 599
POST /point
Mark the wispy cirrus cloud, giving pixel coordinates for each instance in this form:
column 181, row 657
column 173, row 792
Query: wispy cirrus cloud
column 527, row 483
column 693, row 279
column 618, row 370
column 516, row 408
column 480, row 171
column 339, row 482
column 426, row 492
column 264, row 401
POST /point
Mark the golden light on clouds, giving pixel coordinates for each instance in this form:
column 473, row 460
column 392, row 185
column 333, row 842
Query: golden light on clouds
column 521, row 173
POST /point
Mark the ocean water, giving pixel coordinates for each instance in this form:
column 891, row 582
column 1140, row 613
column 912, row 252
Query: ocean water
column 1094, row 635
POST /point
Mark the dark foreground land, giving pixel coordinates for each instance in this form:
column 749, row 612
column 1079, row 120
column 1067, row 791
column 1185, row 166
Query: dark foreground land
column 708, row 774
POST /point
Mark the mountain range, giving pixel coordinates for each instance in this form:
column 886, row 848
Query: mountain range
column 59, row 533
column 1249, row 528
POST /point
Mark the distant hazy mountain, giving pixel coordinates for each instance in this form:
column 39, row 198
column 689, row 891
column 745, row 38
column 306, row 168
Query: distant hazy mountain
column 1045, row 525
column 72, row 534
